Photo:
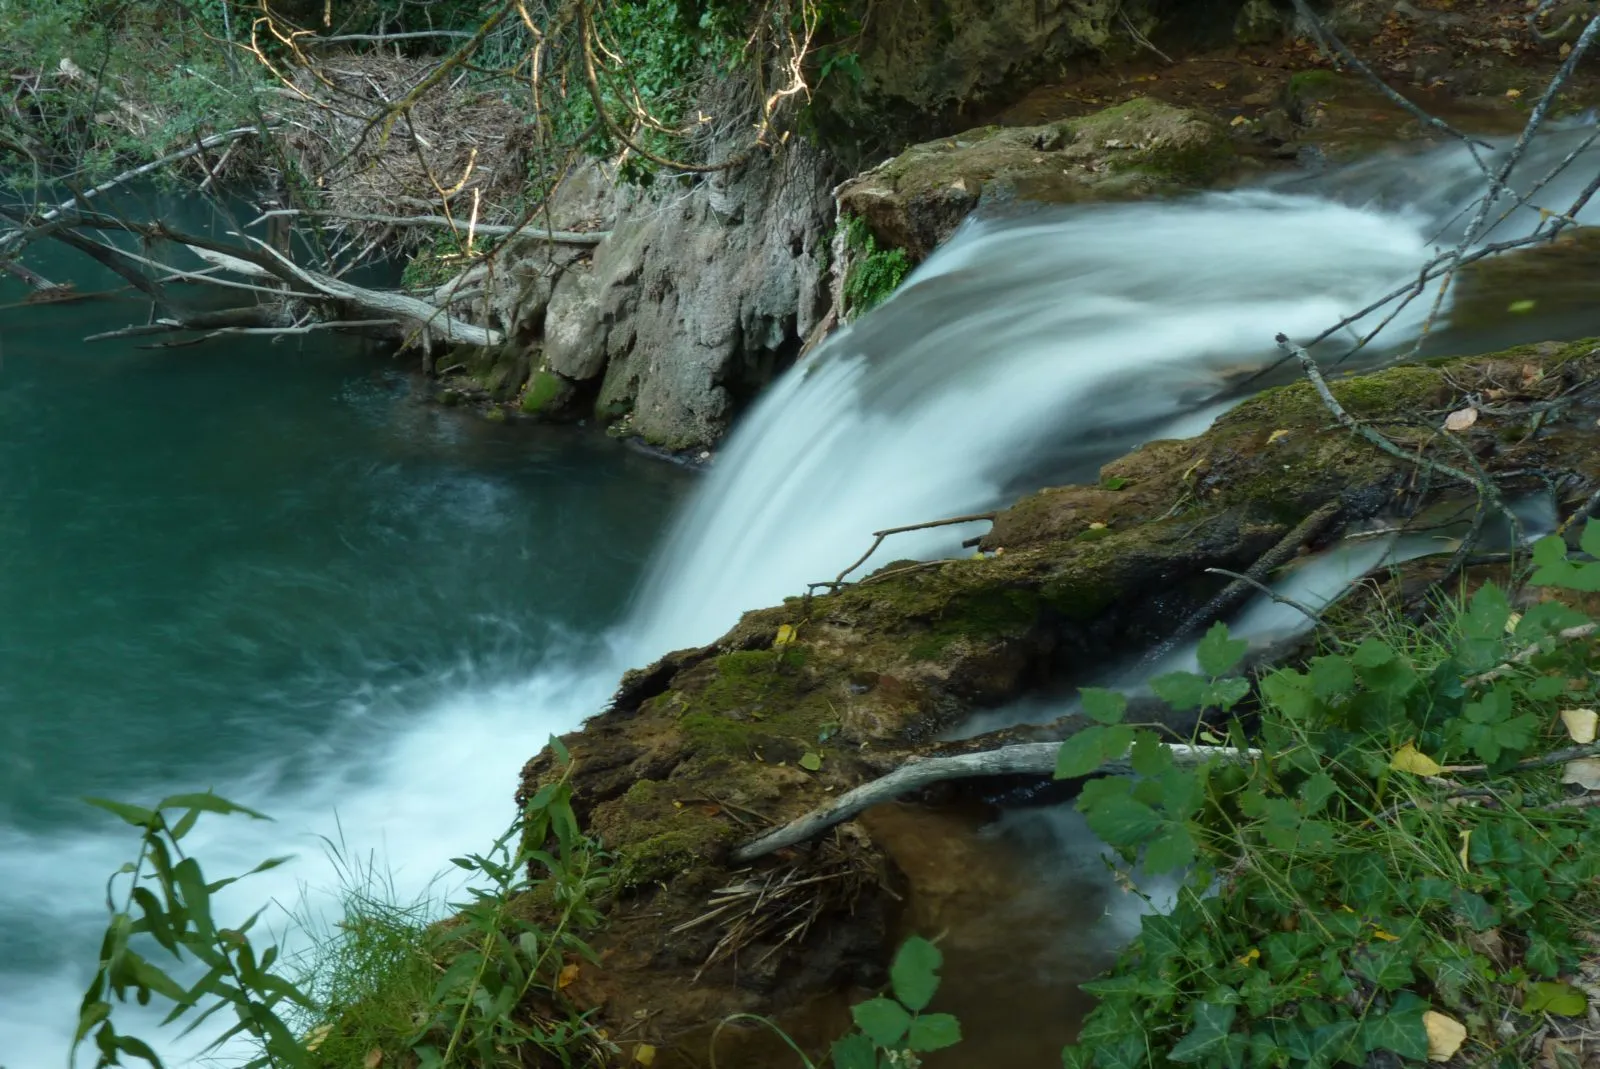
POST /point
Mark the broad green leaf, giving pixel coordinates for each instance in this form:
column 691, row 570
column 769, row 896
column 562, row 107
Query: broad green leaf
column 1181, row 690
column 1115, row 816
column 1218, row 654
column 884, row 1020
column 1105, row 706
column 1548, row 618
column 1210, row 1032
column 1331, row 676
column 1226, row 693
column 933, row 1031
column 1290, row 693
column 854, row 1051
column 1589, row 541
column 1150, row 757
column 914, row 974
column 1563, row 1000
column 1315, row 792
column 1091, row 748
column 1372, row 653
column 1171, row 850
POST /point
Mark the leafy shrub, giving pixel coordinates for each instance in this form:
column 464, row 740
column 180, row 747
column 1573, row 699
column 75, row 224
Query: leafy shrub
column 1394, row 869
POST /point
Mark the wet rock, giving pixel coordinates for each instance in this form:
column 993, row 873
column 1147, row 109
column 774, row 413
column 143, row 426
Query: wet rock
column 570, row 345
column 1140, row 148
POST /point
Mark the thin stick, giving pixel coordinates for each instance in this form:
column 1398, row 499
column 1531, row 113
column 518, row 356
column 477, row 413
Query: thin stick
column 1299, row 606
column 879, row 536
column 1023, row 759
column 562, row 237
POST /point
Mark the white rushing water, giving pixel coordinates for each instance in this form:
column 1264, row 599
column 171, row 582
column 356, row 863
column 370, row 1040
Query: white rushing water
column 1045, row 343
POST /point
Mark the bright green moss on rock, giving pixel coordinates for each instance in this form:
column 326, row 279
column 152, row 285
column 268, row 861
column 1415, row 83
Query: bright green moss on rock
column 545, row 390
column 655, row 833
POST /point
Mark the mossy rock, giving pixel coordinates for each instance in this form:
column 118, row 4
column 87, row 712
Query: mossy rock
column 547, row 395
column 1140, row 148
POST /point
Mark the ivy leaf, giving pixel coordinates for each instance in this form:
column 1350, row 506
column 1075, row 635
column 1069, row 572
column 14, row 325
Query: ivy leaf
column 1104, row 706
column 1563, row 1000
column 1218, row 654
column 914, row 975
column 1315, row 792
column 1387, row 965
column 884, row 1020
column 1400, row 1030
column 934, row 1031
column 1210, row 1032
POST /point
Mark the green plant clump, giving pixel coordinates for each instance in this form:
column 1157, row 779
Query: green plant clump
column 387, row 985
column 1394, row 871
column 874, row 273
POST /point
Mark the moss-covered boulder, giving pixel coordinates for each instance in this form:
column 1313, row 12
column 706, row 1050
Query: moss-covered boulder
column 805, row 700
column 1139, row 148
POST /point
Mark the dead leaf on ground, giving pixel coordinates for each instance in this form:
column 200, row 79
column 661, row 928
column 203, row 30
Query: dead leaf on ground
column 373, row 1059
column 1461, row 419
column 1580, row 724
column 1445, row 1035
column 644, row 1054
column 1276, row 435
column 1409, row 759
column 1585, row 772
column 569, row 973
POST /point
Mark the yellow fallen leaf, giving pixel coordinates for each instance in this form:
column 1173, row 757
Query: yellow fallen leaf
column 1445, row 1035
column 1580, row 724
column 1466, row 841
column 1409, row 759
column 1384, row 937
column 1461, row 419
column 373, row 1059
column 569, row 973
column 1512, row 94
column 1519, row 307
column 1238, row 120
column 1275, row 435
column 644, row 1054
column 1585, row 772
column 1512, row 621
column 1097, row 526
column 1247, row 957
column 785, row 635
column 1219, row 85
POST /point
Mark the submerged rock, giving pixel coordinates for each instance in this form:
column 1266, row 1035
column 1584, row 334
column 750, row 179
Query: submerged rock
column 802, row 701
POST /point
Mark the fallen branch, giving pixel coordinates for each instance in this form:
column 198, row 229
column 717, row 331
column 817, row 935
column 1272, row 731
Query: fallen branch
column 491, row 230
column 1024, row 759
column 1571, row 634
column 879, row 536
column 1262, row 588
column 79, row 199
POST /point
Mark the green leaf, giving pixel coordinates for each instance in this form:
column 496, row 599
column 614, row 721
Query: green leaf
column 1113, row 814
column 1388, row 965
column 1105, row 706
column 1181, row 690
column 1218, row 654
column 1315, row 792
column 1226, row 693
column 1210, row 1032
column 811, row 762
column 854, row 1051
column 207, row 802
column 1589, row 541
column 1400, row 1029
column 934, row 1031
column 884, row 1020
column 1115, row 482
column 1331, row 676
column 1171, row 850
column 1373, row 653
column 136, row 815
column 1150, row 757
column 1563, row 1000
column 1091, row 748
column 914, row 975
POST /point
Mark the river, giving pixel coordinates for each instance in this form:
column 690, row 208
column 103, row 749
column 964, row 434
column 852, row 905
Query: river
column 276, row 571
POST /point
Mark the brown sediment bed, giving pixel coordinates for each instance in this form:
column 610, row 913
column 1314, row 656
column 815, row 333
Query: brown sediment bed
column 710, row 746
